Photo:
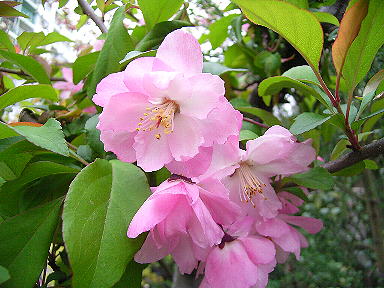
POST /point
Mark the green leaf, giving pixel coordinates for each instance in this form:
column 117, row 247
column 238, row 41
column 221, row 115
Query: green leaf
column 83, row 66
column 49, row 136
column 54, row 37
column 365, row 46
column 132, row 276
column 339, row 149
column 159, row 10
column 109, row 194
column 27, row 64
column 246, row 135
column 264, row 115
column 93, row 135
column 158, row 33
column 116, row 46
column 299, row 27
column 302, row 73
column 136, row 54
column 6, row 132
column 27, row 91
column 316, row 178
column 30, row 39
column 299, row 3
column 298, row 192
column 5, row 42
column 351, row 170
column 7, row 10
column 4, row 274
column 24, row 243
column 218, row 30
column 370, row 164
column 219, row 69
column 307, row 121
column 325, row 17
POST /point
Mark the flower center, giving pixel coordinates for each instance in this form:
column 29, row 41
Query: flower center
column 250, row 184
column 159, row 115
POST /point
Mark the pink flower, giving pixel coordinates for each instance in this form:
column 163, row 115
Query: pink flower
column 67, row 87
column 164, row 106
column 183, row 219
column 247, row 173
column 288, row 239
column 241, row 260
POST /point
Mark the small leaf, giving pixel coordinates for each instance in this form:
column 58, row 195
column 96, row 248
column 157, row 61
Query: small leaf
column 246, row 135
column 29, row 39
column 219, row 69
column 298, row 192
column 5, row 42
column 27, row 91
column 54, row 37
column 27, row 64
column 370, row 164
column 154, row 37
column 109, row 194
column 83, row 66
column 264, row 115
column 159, row 10
column 49, row 136
column 218, row 30
column 131, row 55
column 301, row 28
column 349, row 28
column 339, row 149
column 6, row 10
column 93, row 135
column 351, row 170
column 324, row 17
column 115, row 47
column 24, row 243
column 307, row 121
column 315, row 178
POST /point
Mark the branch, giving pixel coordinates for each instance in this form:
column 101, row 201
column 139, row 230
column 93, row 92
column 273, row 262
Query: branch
column 373, row 149
column 87, row 9
column 22, row 73
column 255, row 122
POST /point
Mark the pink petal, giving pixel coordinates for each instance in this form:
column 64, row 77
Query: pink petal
column 259, row 249
column 311, row 225
column 111, row 85
column 289, row 242
column 230, row 267
column 184, row 256
column 120, row 143
column 242, row 227
column 149, row 252
column 135, row 73
column 272, row 227
column 181, row 51
column 67, row 74
column 186, row 137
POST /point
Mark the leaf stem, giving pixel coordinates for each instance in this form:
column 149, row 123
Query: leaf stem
column 255, row 122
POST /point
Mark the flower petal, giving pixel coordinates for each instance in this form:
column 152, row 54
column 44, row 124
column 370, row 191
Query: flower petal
column 311, row 225
column 120, row 143
column 259, row 249
column 149, row 252
column 134, row 74
column 111, row 85
column 182, row 52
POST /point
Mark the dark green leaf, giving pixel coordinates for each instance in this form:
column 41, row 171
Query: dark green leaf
column 116, row 46
column 351, row 170
column 4, row 274
column 5, row 131
column 93, row 135
column 27, row 64
column 154, row 38
column 24, row 243
column 109, row 194
column 83, row 66
column 307, row 121
column 27, row 91
column 316, row 178
column 132, row 276
column 264, row 115
column 49, row 136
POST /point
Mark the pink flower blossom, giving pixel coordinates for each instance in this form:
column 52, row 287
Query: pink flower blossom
column 241, row 259
column 183, row 219
column 247, row 173
column 164, row 106
column 67, row 87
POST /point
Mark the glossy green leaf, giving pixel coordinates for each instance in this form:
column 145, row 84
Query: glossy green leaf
column 27, row 64
column 301, row 28
column 159, row 10
column 315, row 178
column 307, row 121
column 24, row 243
column 49, row 136
column 116, row 46
column 264, row 115
column 302, row 73
column 154, row 37
column 299, row 3
column 219, row 69
column 218, row 30
column 109, row 194
column 27, row 91
column 93, row 135
column 325, row 17
column 7, row 10
column 83, row 66
column 4, row 274
column 136, row 54
column 365, row 46
column 5, row 42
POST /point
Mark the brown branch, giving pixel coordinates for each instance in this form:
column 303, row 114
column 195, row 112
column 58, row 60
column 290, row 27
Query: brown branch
column 87, row 9
column 22, row 73
column 373, row 149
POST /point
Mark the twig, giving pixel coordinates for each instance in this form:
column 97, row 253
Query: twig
column 75, row 155
column 87, row 9
column 22, row 73
column 373, row 149
column 255, row 122
column 245, row 87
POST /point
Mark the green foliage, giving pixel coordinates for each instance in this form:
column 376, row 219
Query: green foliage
column 315, row 178
column 159, row 11
column 307, row 121
column 109, row 194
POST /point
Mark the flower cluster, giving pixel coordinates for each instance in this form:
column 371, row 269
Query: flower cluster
column 218, row 213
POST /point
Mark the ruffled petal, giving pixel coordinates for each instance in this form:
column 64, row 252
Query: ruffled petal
column 134, row 74
column 259, row 249
column 111, row 85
